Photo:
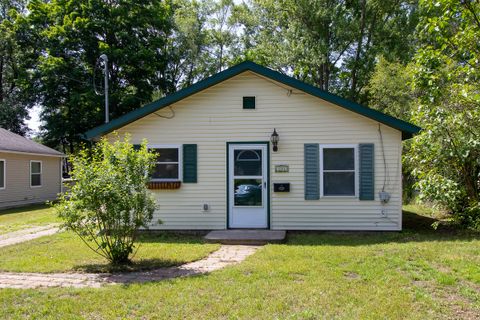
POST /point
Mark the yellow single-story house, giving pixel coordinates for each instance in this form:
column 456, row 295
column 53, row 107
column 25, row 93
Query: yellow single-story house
column 29, row 172
column 253, row 148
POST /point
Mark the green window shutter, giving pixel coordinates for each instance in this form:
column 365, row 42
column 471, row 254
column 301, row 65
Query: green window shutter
column 312, row 171
column 137, row 147
column 367, row 174
column 190, row 163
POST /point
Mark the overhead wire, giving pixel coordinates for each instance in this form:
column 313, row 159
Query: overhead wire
column 171, row 116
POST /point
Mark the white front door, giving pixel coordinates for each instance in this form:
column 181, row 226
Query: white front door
column 247, row 186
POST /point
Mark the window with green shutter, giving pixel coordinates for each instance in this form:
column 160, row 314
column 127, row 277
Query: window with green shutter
column 175, row 163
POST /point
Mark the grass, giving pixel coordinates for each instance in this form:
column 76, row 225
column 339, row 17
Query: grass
column 26, row 217
column 65, row 252
column 415, row 274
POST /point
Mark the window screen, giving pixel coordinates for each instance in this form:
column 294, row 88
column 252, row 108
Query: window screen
column 167, row 166
column 338, row 171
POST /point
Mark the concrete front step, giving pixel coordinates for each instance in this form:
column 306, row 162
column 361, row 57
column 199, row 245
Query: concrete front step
column 246, row 236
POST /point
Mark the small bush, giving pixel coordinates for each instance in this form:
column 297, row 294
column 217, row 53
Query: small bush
column 109, row 201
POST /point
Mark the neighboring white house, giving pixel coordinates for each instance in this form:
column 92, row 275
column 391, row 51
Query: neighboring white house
column 29, row 172
column 218, row 169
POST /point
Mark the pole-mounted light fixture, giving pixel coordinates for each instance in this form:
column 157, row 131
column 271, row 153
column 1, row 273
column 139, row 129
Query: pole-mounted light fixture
column 274, row 138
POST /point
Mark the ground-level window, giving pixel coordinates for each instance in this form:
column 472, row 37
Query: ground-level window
column 35, row 173
column 2, row 173
column 338, row 169
column 168, row 163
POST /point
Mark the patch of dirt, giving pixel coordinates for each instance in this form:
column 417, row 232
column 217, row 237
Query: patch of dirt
column 351, row 275
column 459, row 307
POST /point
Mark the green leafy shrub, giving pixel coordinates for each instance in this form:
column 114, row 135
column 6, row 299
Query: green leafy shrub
column 109, row 201
column 446, row 155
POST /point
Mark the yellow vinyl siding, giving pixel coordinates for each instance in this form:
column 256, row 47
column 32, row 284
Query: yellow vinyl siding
column 214, row 116
column 18, row 190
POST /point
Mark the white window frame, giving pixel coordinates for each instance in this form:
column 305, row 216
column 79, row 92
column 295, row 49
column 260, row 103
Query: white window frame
column 356, row 175
column 41, row 173
column 180, row 160
column 4, row 174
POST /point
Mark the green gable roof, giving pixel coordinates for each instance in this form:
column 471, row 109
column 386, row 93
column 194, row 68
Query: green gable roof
column 408, row 129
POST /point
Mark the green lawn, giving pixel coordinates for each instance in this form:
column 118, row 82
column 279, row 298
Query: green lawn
column 65, row 252
column 415, row 274
column 26, row 217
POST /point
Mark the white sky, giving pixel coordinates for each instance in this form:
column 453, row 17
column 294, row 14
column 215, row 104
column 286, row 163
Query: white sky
column 34, row 122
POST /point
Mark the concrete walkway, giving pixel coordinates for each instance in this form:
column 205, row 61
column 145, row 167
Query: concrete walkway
column 27, row 234
column 227, row 255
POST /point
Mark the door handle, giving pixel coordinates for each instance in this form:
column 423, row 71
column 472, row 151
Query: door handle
column 265, row 184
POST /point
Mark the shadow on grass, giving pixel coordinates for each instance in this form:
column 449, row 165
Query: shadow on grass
column 144, row 264
column 24, row 209
column 138, row 265
column 170, row 237
column 416, row 228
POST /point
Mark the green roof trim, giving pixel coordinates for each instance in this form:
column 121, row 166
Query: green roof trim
column 408, row 129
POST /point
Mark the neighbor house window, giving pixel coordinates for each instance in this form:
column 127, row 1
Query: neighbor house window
column 3, row 173
column 338, row 169
column 35, row 173
column 168, row 165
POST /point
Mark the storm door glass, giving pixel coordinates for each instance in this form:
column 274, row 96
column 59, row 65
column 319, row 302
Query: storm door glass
column 248, row 177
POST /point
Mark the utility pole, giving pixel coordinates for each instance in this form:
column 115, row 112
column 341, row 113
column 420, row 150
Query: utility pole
column 105, row 71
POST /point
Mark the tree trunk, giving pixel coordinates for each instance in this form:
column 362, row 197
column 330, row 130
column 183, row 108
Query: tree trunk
column 361, row 35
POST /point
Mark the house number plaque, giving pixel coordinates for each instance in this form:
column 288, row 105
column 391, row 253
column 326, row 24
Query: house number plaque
column 281, row 168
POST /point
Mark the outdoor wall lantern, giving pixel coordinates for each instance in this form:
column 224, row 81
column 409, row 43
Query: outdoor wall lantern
column 274, row 138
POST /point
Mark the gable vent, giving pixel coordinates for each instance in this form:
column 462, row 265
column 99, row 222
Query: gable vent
column 248, row 102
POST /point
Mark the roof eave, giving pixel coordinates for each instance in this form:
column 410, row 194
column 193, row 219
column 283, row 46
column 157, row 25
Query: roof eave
column 61, row 155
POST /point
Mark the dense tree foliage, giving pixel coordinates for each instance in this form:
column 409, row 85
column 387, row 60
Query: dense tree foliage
column 329, row 43
column 447, row 75
column 69, row 36
column 202, row 42
column 415, row 61
column 157, row 47
column 390, row 88
column 14, row 100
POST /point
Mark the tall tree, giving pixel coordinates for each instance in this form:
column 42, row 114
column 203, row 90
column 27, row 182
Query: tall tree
column 14, row 104
column 446, row 154
column 187, row 43
column 203, row 41
column 331, row 43
column 390, row 88
column 70, row 35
